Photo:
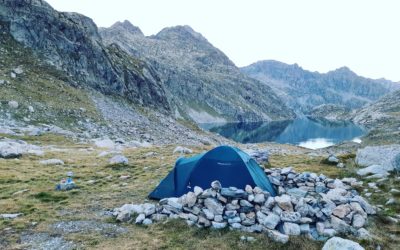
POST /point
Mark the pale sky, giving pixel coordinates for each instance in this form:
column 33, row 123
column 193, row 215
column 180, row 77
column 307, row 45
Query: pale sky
column 319, row 35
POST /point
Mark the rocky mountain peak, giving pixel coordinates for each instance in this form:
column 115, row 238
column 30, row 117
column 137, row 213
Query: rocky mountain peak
column 180, row 32
column 127, row 27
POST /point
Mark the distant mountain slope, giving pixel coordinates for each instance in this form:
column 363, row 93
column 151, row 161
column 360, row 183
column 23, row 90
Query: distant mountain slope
column 201, row 82
column 382, row 118
column 303, row 90
column 71, row 42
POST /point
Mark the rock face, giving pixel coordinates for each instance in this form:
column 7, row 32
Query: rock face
column 337, row 243
column 304, row 90
column 382, row 118
column 336, row 209
column 330, row 112
column 71, row 42
column 195, row 72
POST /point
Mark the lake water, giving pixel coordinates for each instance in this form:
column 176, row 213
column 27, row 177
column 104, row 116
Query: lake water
column 305, row 132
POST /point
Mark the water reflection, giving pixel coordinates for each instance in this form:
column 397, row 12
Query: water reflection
column 306, row 132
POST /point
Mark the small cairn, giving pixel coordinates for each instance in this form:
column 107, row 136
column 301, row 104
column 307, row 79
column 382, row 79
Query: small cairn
column 306, row 204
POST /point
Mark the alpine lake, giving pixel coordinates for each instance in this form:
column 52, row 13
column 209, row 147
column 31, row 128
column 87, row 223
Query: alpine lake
column 305, row 132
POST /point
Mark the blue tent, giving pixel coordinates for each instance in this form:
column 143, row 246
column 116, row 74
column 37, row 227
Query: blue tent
column 229, row 165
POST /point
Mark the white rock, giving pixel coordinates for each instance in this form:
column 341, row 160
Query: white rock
column 119, row 159
column 277, row 236
column 337, row 243
column 373, row 169
column 197, row 190
column 340, row 165
column 218, row 225
column 358, row 221
column 31, row 109
column 54, row 162
column 13, row 104
column 147, row 222
column 104, row 143
column 140, row 218
column 182, row 150
column 10, row 216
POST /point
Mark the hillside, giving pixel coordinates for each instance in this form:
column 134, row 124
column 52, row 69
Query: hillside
column 201, row 82
column 382, row 117
column 303, row 90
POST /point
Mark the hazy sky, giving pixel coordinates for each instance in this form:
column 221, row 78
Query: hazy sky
column 319, row 35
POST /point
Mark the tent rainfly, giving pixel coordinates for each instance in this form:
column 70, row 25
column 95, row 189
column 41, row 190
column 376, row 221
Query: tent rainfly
column 229, row 165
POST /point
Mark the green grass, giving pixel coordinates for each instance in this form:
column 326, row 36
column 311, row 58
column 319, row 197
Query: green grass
column 45, row 205
column 43, row 87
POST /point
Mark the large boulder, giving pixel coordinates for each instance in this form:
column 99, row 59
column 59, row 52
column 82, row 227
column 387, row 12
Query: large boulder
column 373, row 169
column 337, row 243
column 10, row 148
column 384, row 156
column 119, row 159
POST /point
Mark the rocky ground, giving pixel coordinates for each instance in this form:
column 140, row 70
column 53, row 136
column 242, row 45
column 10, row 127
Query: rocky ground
column 110, row 173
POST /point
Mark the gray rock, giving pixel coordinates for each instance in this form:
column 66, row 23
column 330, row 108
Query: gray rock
column 208, row 213
column 290, row 216
column 203, row 222
column 236, row 226
column 159, row 217
column 190, row 199
column 339, row 225
column 269, row 221
column 248, row 189
column 234, row 220
column 245, row 203
column 373, row 169
column 147, row 222
column 119, row 159
column 232, row 192
column 13, row 104
column 358, row 221
column 378, row 155
column 182, row 150
column 337, row 243
column 218, row 218
column 365, row 205
column 289, row 228
column 277, row 236
column 297, row 192
column 259, row 198
column 140, row 218
column 216, row 185
column 218, row 225
column 149, row 209
column 304, row 228
column 363, row 234
column 329, row 232
column 52, row 162
column 197, row 190
column 123, row 216
column 284, row 202
column 10, row 216
column 340, row 165
column 333, row 159
column 391, row 201
column 214, row 206
column 342, row 210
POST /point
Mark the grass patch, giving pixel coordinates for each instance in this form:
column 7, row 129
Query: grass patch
column 48, row 197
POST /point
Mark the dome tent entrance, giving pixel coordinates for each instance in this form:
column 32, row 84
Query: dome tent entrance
column 229, row 165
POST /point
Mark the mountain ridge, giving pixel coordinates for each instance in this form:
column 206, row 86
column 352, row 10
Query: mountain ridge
column 195, row 73
column 304, row 89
